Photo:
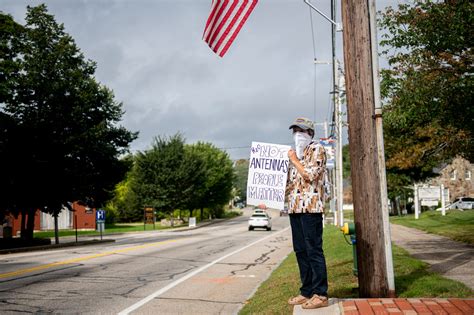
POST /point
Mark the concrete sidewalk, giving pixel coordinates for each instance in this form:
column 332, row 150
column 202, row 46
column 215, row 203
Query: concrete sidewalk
column 451, row 259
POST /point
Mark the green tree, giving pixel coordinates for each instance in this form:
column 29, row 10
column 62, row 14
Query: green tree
column 399, row 187
column 241, row 170
column 64, row 140
column 346, row 162
column 11, row 43
column 11, row 38
column 428, row 89
column 216, row 189
column 124, row 203
column 165, row 176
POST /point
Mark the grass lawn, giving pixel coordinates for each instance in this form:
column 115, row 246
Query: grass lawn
column 457, row 225
column 348, row 215
column 109, row 229
column 412, row 278
column 121, row 228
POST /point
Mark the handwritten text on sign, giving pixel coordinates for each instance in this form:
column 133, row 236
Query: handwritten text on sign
column 268, row 169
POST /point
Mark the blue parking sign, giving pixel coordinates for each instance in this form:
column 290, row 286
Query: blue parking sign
column 100, row 215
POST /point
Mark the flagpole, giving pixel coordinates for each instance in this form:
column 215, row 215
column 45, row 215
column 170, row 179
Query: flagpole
column 336, row 93
column 338, row 25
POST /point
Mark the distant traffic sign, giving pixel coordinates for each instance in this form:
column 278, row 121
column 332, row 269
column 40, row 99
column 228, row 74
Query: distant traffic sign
column 329, row 145
column 100, row 216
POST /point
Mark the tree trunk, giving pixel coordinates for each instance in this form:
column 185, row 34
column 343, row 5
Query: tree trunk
column 397, row 205
column 30, row 224
column 56, row 228
column 365, row 175
column 23, row 234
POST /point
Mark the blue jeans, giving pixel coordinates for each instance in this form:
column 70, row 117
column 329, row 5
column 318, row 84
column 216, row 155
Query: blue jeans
column 307, row 233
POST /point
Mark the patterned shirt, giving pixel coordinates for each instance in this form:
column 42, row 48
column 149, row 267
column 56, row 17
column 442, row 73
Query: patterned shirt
column 308, row 196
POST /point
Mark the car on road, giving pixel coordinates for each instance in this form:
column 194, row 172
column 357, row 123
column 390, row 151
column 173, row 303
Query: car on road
column 260, row 220
column 240, row 205
column 259, row 211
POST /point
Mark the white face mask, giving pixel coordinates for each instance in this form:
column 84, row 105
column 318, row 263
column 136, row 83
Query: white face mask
column 302, row 139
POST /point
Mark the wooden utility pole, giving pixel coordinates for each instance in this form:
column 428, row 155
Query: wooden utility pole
column 368, row 217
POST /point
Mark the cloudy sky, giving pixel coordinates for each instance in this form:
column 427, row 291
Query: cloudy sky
column 151, row 53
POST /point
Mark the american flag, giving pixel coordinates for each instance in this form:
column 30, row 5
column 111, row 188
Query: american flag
column 224, row 23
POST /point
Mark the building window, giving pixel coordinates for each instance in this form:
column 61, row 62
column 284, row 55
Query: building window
column 453, row 175
column 468, row 175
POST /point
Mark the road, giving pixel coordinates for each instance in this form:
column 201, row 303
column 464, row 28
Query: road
column 210, row 270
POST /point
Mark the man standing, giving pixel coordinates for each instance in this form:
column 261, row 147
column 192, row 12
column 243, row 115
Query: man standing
column 306, row 197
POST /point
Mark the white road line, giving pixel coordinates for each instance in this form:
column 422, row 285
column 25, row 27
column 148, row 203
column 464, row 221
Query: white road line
column 142, row 302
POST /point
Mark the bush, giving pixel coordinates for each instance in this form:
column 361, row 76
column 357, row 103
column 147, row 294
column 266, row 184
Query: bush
column 232, row 214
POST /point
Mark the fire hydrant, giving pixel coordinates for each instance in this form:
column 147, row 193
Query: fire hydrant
column 349, row 229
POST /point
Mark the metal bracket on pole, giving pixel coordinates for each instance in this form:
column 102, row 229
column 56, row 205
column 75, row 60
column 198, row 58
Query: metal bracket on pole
column 321, row 62
column 338, row 25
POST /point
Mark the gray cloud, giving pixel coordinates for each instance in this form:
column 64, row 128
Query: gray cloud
column 151, row 54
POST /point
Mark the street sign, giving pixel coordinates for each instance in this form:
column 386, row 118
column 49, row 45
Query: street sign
column 100, row 216
column 429, row 202
column 329, row 146
column 431, row 192
column 149, row 216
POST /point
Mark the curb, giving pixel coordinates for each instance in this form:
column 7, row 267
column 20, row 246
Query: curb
column 95, row 241
column 52, row 246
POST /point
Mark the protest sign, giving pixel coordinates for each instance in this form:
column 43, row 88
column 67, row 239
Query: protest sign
column 268, row 169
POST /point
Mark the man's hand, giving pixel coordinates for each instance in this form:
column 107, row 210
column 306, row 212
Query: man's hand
column 296, row 162
column 292, row 155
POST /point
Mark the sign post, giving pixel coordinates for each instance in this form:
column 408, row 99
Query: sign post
column 268, row 170
column 443, row 200
column 417, row 203
column 430, row 196
column 100, row 221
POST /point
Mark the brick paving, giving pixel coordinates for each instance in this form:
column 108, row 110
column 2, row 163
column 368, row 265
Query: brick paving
column 407, row 306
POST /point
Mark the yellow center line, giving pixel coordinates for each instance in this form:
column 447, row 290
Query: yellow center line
column 75, row 260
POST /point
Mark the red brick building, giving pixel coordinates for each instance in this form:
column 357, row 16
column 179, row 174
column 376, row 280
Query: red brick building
column 85, row 218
